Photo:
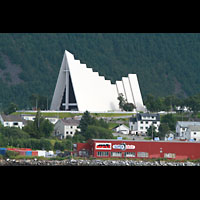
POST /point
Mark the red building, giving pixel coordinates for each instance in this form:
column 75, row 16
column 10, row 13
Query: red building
column 107, row 148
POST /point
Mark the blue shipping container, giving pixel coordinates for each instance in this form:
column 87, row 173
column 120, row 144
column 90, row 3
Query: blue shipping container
column 2, row 151
column 28, row 153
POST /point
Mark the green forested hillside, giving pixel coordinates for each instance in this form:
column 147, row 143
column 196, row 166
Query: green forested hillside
column 165, row 63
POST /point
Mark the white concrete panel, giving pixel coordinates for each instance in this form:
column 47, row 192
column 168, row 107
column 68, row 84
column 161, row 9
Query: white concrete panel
column 120, row 88
column 60, row 86
column 114, row 102
column 87, row 87
column 136, row 92
column 108, row 95
column 127, row 89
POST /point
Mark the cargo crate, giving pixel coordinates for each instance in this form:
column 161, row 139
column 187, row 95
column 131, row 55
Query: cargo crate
column 28, row 153
column 34, row 153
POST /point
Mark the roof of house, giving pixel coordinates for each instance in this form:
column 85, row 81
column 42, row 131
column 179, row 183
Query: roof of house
column 140, row 115
column 71, row 122
column 121, row 125
column 12, row 118
column 194, row 127
column 148, row 115
column 187, row 123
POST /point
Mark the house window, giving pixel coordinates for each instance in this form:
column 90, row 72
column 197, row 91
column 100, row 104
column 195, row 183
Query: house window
column 146, row 122
column 71, row 132
column 141, row 122
column 195, row 133
column 71, row 126
column 15, row 123
column 141, row 127
column 67, row 132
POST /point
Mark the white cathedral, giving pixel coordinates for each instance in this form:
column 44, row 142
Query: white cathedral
column 79, row 88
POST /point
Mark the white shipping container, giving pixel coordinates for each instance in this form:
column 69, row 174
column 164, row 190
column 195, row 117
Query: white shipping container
column 49, row 154
column 41, row 153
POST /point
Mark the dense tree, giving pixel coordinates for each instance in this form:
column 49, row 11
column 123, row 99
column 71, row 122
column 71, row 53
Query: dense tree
column 13, row 132
column 193, row 103
column 167, row 103
column 151, row 132
column 163, row 130
column 170, row 120
column 92, row 128
column 40, row 127
column 85, row 121
column 10, row 108
column 38, row 101
column 124, row 105
column 97, row 132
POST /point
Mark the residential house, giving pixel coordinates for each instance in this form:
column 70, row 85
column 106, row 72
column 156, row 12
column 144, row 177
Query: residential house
column 182, row 126
column 53, row 120
column 121, row 128
column 66, row 127
column 138, row 125
column 193, row 133
column 29, row 117
column 12, row 121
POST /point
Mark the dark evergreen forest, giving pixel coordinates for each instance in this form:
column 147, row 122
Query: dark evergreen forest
column 166, row 64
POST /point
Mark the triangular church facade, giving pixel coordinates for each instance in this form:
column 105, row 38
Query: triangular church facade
column 79, row 88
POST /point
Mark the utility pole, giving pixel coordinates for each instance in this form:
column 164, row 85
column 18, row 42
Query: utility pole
column 36, row 103
column 47, row 103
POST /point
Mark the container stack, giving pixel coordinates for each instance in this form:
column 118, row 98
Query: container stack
column 27, row 152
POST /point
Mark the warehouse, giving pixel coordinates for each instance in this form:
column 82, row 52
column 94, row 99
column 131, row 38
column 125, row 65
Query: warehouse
column 108, row 148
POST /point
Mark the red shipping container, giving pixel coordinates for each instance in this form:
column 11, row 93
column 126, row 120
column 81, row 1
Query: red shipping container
column 21, row 152
column 12, row 149
column 26, row 149
column 34, row 153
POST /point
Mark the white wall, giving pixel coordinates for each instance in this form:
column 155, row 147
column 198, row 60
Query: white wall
column 120, row 88
column 127, row 90
column 58, row 128
column 60, row 85
column 136, row 92
column 12, row 124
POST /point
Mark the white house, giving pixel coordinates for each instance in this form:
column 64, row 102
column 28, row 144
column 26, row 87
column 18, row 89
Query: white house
column 53, row 120
column 12, row 121
column 29, row 117
column 193, row 133
column 66, row 127
column 121, row 128
column 182, row 126
column 138, row 125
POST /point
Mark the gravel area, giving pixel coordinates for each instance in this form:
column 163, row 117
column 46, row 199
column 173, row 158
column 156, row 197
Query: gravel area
column 72, row 162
